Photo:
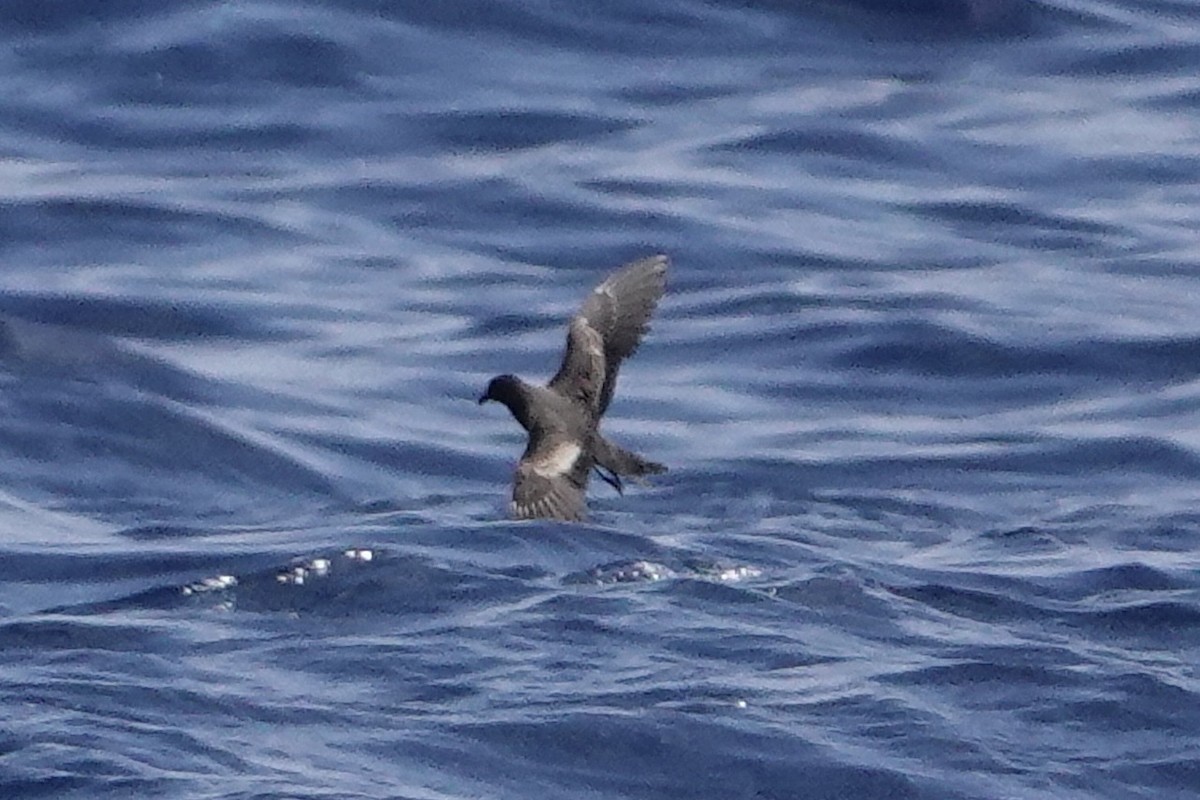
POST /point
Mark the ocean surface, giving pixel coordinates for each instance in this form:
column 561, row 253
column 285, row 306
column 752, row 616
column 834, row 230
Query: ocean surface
column 926, row 376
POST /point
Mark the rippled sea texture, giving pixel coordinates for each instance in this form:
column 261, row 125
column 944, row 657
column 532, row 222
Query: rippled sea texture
column 927, row 378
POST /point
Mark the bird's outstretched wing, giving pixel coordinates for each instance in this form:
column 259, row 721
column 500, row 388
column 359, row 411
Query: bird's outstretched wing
column 551, row 479
column 581, row 376
column 619, row 311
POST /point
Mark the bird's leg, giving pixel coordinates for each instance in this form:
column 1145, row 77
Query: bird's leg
column 612, row 479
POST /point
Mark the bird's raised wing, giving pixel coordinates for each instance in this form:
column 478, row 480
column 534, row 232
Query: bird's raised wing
column 581, row 376
column 619, row 311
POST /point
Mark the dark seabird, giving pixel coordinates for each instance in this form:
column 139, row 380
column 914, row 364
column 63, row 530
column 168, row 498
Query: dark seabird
column 563, row 417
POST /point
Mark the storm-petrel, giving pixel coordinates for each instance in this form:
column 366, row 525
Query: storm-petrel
column 563, row 417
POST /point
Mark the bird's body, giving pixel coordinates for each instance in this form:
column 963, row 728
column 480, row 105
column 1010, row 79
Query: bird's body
column 563, row 417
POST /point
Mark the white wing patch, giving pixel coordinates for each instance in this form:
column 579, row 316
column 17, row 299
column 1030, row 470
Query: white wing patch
column 558, row 461
column 589, row 337
column 594, row 341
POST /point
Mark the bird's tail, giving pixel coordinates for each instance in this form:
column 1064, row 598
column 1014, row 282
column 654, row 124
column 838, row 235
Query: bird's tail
column 621, row 462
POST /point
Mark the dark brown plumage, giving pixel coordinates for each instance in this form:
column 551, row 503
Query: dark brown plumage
column 563, row 417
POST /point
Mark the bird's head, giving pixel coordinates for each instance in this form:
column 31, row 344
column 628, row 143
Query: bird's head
column 513, row 393
column 501, row 389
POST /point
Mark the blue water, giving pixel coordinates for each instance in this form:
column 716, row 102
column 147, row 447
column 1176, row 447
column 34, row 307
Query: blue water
column 927, row 378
